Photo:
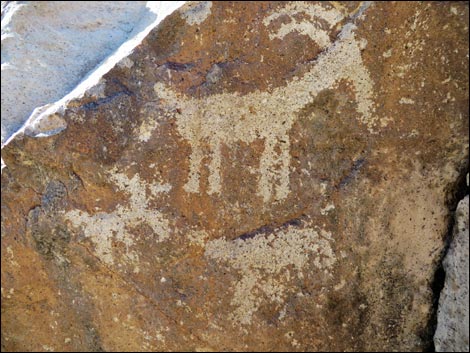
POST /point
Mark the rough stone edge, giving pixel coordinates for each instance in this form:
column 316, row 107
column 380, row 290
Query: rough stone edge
column 456, row 194
column 47, row 121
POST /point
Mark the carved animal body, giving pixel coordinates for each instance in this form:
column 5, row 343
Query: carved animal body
column 230, row 118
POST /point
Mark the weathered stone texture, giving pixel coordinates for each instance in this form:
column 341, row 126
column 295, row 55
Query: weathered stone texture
column 254, row 176
column 453, row 318
column 48, row 47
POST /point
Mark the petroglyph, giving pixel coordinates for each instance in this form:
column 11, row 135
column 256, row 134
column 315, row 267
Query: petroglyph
column 231, row 118
column 310, row 26
column 263, row 261
column 105, row 228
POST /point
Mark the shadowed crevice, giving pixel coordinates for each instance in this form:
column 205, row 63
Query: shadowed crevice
column 455, row 194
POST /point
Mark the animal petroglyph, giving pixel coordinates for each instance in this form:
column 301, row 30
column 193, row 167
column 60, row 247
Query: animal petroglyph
column 232, row 118
column 311, row 27
column 103, row 228
column 263, row 262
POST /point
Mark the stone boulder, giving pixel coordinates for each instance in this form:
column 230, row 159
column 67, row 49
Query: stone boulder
column 254, row 176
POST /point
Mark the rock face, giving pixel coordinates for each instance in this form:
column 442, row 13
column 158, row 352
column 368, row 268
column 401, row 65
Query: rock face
column 254, row 176
column 452, row 327
column 49, row 46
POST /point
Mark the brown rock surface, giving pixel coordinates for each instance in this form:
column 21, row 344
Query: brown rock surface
column 259, row 176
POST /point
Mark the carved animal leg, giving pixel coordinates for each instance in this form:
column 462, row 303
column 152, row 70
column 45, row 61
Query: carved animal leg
column 214, row 169
column 363, row 89
column 195, row 160
column 282, row 175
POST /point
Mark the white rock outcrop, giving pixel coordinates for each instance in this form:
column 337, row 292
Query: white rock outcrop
column 48, row 47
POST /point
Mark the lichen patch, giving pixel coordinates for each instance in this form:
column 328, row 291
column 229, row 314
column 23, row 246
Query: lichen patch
column 197, row 12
